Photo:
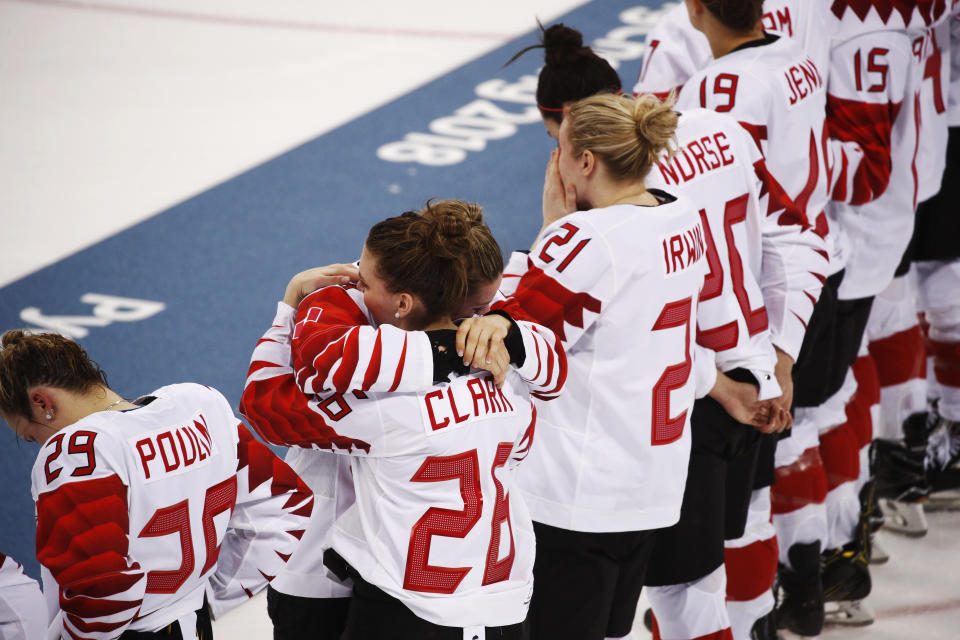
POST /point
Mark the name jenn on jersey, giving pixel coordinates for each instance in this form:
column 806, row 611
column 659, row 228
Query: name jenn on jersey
column 176, row 449
column 683, row 250
column 696, row 158
column 456, row 404
column 802, row 80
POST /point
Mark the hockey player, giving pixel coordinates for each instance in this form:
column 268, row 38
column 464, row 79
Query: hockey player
column 23, row 614
column 598, row 489
column 303, row 598
column 419, row 595
column 144, row 507
column 778, row 94
column 897, row 341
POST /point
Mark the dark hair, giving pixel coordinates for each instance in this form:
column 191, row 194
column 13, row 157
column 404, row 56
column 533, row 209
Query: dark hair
column 429, row 254
column 485, row 263
column 28, row 360
column 572, row 71
column 738, row 15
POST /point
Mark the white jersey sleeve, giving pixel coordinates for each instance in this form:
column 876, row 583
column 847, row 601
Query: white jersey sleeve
column 953, row 105
column 867, row 87
column 674, row 52
column 331, row 353
column 273, row 506
column 23, row 612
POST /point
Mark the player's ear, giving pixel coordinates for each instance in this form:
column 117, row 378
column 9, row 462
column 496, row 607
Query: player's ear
column 405, row 304
column 588, row 163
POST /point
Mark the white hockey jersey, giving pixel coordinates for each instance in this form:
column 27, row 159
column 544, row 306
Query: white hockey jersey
column 675, row 50
column 871, row 114
column 23, row 612
column 778, row 95
column 930, row 36
column 953, row 106
column 619, row 286
column 137, row 511
column 716, row 168
column 415, row 453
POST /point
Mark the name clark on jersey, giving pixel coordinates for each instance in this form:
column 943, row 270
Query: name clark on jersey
column 696, row 158
column 459, row 408
column 178, row 448
column 802, row 80
column 683, row 250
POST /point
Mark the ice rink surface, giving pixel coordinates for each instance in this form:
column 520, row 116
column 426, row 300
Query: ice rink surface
column 112, row 112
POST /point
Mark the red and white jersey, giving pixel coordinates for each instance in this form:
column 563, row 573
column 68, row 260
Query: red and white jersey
column 676, row 51
column 953, row 106
column 778, row 95
column 932, row 53
column 345, row 350
column 141, row 512
column 23, row 612
column 871, row 118
column 619, row 286
column 417, row 454
column 715, row 168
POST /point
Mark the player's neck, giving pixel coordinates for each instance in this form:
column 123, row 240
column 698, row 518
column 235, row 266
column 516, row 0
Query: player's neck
column 723, row 40
column 609, row 193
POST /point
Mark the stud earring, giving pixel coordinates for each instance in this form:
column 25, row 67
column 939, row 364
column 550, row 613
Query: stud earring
column 397, row 315
column 49, row 416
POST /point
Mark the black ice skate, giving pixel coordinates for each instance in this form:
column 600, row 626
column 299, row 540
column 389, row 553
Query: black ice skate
column 800, row 607
column 901, row 485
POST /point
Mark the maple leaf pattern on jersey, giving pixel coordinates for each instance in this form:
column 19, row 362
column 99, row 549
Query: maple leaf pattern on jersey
column 928, row 10
column 540, row 298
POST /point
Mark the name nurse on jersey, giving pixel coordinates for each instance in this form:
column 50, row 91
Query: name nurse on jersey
column 697, row 158
column 174, row 450
column 683, row 250
column 479, row 399
column 802, row 80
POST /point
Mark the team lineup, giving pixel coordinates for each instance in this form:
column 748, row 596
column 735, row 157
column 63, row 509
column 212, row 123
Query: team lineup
column 706, row 380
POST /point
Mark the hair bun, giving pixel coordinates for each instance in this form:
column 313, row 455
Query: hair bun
column 12, row 338
column 562, row 45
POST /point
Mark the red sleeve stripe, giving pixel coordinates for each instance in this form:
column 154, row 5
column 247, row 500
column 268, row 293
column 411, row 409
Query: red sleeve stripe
column 399, row 373
column 260, row 364
column 95, row 627
column 536, row 345
column 348, row 363
column 373, row 369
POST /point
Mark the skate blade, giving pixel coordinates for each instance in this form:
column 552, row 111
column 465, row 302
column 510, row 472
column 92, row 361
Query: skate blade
column 848, row 613
column 878, row 555
column 905, row 518
column 943, row 501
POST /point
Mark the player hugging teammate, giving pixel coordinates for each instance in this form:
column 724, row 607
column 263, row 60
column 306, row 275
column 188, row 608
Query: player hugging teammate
column 706, row 376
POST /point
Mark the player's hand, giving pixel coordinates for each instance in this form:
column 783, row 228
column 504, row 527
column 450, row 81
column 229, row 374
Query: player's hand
column 559, row 199
column 740, row 400
column 306, row 282
column 784, row 373
column 480, row 344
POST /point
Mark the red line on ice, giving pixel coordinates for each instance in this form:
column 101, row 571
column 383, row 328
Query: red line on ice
column 918, row 609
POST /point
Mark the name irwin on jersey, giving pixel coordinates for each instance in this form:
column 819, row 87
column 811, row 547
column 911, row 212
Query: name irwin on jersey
column 682, row 250
column 176, row 449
